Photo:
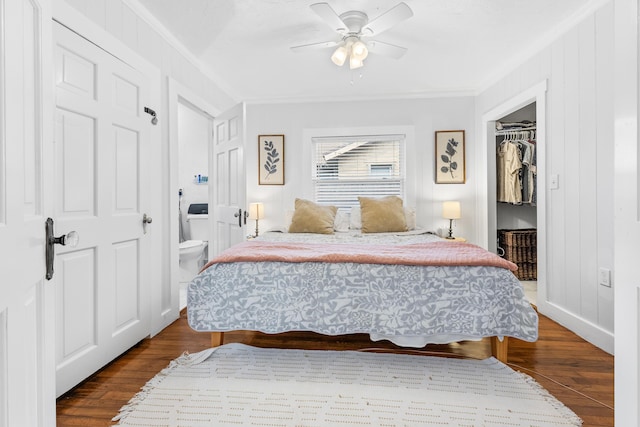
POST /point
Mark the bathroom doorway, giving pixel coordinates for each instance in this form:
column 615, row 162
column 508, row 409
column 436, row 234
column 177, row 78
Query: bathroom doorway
column 191, row 138
column 195, row 130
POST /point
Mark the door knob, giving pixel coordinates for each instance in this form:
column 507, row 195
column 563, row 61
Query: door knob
column 70, row 239
column 146, row 219
column 239, row 216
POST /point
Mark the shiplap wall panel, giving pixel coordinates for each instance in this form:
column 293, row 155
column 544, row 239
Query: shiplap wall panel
column 555, row 165
column 149, row 44
column 588, row 162
column 605, row 155
column 97, row 12
column 570, row 178
column 113, row 18
column 580, row 150
column 129, row 28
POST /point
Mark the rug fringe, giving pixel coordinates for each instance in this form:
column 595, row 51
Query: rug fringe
column 186, row 359
column 561, row 407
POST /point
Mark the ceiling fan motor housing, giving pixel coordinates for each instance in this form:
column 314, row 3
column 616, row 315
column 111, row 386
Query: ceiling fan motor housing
column 355, row 20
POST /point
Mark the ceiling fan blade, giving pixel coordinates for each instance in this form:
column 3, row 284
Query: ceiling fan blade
column 312, row 46
column 326, row 12
column 396, row 14
column 386, row 49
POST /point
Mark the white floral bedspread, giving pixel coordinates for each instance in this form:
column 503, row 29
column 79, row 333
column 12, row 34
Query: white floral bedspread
column 409, row 305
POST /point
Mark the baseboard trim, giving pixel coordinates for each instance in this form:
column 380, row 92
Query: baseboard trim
column 585, row 329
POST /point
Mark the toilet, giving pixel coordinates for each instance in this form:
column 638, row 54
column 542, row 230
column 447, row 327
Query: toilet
column 193, row 252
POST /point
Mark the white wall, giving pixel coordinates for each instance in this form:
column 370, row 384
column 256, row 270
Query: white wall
column 579, row 217
column 423, row 116
column 194, row 130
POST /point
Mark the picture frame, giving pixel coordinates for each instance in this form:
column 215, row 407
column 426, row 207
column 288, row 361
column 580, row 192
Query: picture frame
column 450, row 157
column 270, row 159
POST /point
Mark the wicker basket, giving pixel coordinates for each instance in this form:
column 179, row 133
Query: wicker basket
column 521, row 248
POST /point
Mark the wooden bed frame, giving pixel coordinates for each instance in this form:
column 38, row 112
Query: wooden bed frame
column 498, row 348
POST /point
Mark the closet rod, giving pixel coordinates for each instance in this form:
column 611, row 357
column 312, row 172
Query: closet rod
column 506, row 131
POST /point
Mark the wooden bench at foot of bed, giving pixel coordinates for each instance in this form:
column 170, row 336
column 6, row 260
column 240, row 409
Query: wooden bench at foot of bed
column 498, row 348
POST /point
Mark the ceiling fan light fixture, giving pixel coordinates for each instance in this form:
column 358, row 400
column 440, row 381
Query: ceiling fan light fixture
column 340, row 55
column 355, row 62
column 359, row 50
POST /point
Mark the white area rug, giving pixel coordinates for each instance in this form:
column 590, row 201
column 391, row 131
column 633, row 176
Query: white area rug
column 238, row 385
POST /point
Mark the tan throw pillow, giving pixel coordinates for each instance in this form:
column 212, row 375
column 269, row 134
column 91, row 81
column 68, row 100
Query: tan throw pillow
column 310, row 217
column 382, row 215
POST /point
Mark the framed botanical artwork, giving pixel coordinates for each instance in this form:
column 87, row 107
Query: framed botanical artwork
column 271, row 159
column 450, row 164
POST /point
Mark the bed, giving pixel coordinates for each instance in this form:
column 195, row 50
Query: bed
column 409, row 287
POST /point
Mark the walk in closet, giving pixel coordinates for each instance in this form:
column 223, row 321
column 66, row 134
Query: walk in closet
column 516, row 191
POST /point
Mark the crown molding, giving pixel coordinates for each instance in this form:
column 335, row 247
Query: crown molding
column 389, row 97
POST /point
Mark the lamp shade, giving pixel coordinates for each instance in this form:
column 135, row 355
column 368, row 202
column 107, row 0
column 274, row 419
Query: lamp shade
column 339, row 56
column 256, row 210
column 359, row 50
column 451, row 210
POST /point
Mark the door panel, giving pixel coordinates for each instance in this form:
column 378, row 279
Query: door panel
column 75, row 138
column 229, row 190
column 101, row 135
column 126, row 263
column 75, row 286
column 26, row 327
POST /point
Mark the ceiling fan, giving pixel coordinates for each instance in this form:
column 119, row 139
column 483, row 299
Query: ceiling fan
column 356, row 32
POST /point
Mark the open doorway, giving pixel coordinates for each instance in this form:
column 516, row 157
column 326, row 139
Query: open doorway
column 195, row 128
column 190, row 150
column 528, row 107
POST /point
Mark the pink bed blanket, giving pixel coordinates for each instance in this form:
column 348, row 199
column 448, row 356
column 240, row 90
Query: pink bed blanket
column 433, row 253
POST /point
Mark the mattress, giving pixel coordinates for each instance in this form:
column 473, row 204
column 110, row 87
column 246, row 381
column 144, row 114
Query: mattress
column 409, row 305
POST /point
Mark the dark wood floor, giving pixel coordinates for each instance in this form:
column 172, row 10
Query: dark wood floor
column 577, row 373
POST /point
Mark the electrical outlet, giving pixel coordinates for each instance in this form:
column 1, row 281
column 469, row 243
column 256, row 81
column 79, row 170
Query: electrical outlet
column 604, row 277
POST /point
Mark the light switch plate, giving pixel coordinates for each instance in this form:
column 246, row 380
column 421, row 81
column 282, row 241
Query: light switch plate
column 604, row 277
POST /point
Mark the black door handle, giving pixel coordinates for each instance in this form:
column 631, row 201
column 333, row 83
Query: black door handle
column 239, row 216
column 70, row 239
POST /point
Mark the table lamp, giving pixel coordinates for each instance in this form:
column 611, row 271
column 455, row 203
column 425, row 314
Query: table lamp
column 256, row 211
column 451, row 211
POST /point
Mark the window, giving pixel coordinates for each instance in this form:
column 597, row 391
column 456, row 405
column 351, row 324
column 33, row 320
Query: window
column 348, row 167
column 381, row 170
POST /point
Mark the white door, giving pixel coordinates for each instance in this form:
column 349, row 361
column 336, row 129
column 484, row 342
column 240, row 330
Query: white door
column 101, row 142
column 228, row 190
column 627, row 214
column 27, row 377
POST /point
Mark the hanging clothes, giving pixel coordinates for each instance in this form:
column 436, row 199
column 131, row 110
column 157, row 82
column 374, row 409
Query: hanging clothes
column 516, row 168
column 509, row 166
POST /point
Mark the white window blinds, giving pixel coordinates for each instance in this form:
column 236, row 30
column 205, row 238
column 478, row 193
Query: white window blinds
column 347, row 167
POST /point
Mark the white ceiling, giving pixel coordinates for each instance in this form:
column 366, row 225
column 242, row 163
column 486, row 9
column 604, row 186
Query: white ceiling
column 454, row 46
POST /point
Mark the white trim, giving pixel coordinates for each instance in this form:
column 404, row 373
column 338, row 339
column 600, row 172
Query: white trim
column 626, row 222
column 176, row 93
column 308, row 134
column 376, row 97
column 536, row 94
column 589, row 331
column 486, row 200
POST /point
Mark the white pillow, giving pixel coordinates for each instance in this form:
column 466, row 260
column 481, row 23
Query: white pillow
column 410, row 215
column 341, row 222
column 355, row 222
